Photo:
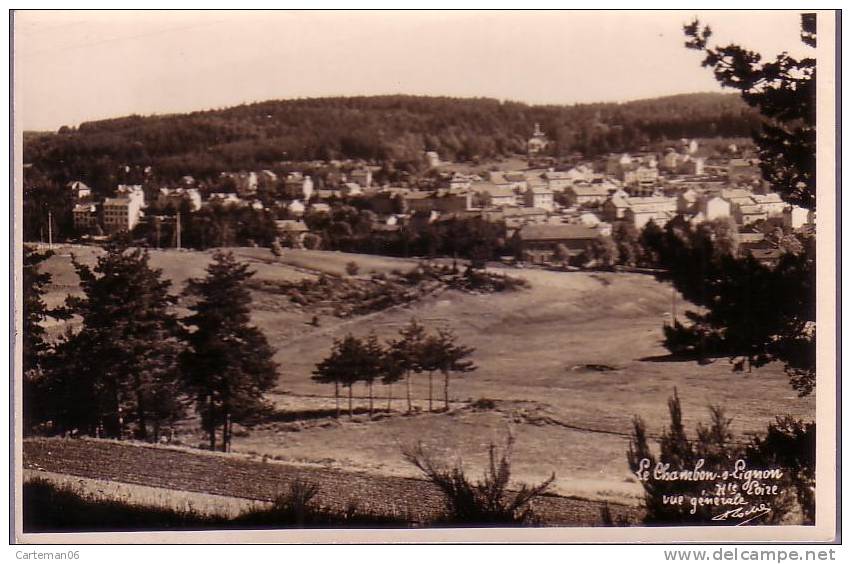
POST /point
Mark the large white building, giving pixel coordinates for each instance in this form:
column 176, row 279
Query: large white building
column 121, row 214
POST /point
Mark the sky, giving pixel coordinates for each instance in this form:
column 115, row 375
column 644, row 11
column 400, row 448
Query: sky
column 72, row 67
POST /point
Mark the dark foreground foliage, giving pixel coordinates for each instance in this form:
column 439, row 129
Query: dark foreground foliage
column 50, row 508
column 788, row 446
column 487, row 501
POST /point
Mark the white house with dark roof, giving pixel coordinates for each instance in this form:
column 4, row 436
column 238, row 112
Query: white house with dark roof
column 133, row 192
column 492, row 195
column 361, row 176
column 748, row 214
column 771, row 203
column 79, row 190
column 291, row 232
column 298, row 186
column 85, row 217
column 514, row 180
column 615, row 207
column 539, row 196
column 671, row 160
column 714, row 207
column 796, row 217
column 687, row 201
column 174, row 197
column 640, row 211
column 539, row 243
column 738, row 196
column 225, row 199
column 559, row 181
column 586, row 194
column 296, row 208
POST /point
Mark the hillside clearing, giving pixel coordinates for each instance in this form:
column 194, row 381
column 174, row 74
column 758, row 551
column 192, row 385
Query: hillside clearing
column 533, row 347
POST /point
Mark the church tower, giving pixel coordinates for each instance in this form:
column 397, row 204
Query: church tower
column 538, row 142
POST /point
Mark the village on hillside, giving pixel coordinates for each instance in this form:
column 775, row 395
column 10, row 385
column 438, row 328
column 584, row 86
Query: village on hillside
column 592, row 304
column 546, row 207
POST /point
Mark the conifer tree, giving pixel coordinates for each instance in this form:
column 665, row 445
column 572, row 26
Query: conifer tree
column 392, row 370
column 408, row 352
column 351, row 360
column 783, row 90
column 756, row 312
column 431, row 356
column 330, row 371
column 451, row 357
column 34, row 310
column 373, row 364
column 35, row 348
column 228, row 364
column 121, row 368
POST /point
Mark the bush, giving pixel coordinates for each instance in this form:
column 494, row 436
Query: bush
column 483, row 404
column 352, row 268
column 312, row 241
column 694, row 340
column 487, row 501
column 791, row 444
column 293, row 507
column 714, row 450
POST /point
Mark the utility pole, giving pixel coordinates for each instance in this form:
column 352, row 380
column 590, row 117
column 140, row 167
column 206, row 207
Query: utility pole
column 49, row 229
column 673, row 305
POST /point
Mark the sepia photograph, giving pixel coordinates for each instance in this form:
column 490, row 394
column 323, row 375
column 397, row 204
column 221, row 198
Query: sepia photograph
column 425, row 276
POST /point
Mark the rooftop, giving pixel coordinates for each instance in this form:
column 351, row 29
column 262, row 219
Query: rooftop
column 555, row 232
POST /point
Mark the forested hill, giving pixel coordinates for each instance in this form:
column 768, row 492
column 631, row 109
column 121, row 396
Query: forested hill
column 398, row 128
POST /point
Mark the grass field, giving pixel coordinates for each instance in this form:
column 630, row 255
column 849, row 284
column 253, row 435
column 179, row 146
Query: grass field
column 535, row 349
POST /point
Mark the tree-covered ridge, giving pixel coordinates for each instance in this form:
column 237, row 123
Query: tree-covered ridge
column 377, row 128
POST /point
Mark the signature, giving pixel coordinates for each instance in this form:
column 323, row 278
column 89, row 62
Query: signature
column 748, row 514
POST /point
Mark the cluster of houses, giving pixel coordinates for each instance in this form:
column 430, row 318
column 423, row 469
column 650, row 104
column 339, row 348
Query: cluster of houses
column 125, row 209
column 545, row 210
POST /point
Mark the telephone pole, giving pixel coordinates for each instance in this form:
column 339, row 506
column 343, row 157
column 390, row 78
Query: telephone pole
column 49, row 229
column 177, row 231
column 673, row 305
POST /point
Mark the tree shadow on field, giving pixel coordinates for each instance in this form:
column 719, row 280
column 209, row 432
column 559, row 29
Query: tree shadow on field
column 680, row 357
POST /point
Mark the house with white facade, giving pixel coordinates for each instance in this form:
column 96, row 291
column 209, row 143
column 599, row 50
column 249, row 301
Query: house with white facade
column 121, row 214
column 771, row 203
column 85, row 217
column 796, row 217
column 586, row 194
column 713, row 207
column 79, row 191
column 539, row 196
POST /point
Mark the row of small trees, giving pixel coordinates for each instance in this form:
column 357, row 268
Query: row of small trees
column 133, row 366
column 353, row 359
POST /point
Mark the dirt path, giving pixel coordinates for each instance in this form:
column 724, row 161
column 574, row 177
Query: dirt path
column 233, row 476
